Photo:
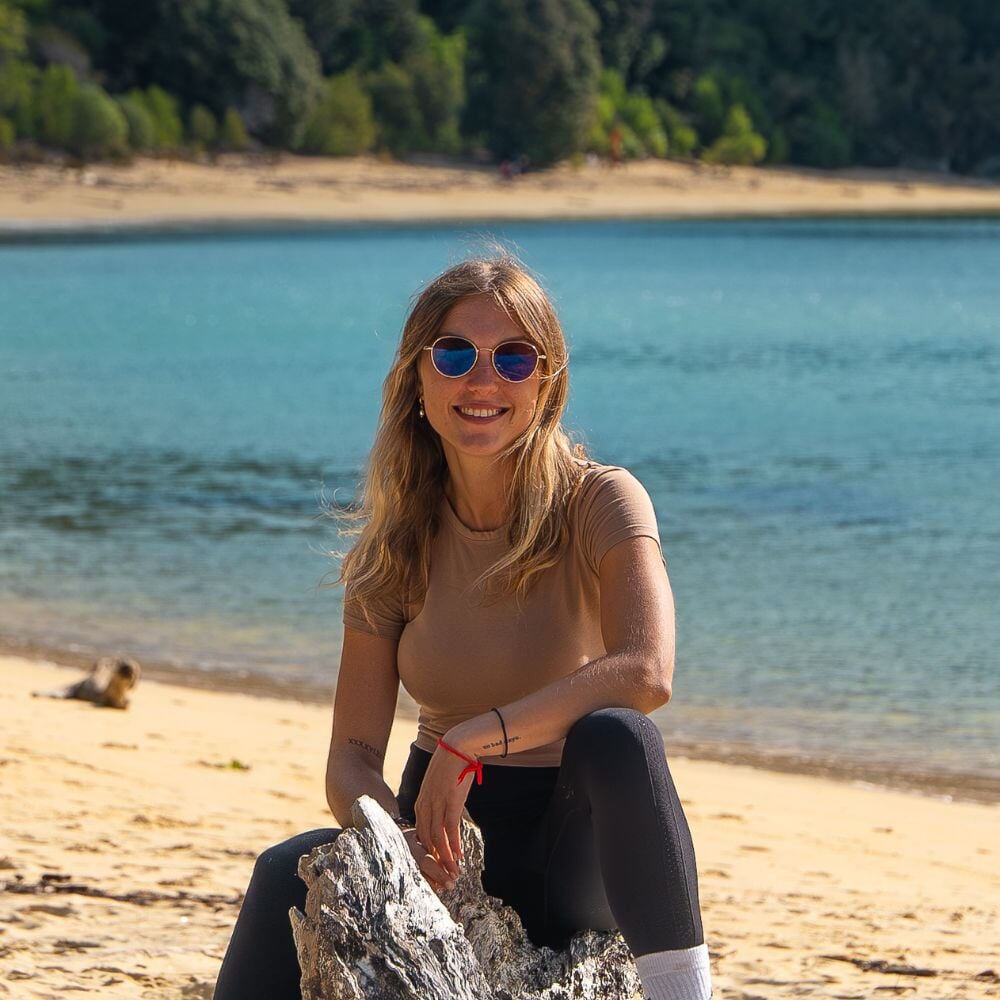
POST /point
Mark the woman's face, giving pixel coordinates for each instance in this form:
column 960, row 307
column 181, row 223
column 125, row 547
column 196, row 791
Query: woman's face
column 479, row 319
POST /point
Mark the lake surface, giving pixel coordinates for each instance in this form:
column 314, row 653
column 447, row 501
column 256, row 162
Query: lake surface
column 814, row 407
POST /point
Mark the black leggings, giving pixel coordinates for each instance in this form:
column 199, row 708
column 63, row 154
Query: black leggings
column 599, row 842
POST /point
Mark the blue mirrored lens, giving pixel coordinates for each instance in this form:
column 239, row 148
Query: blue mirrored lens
column 515, row 361
column 453, row 356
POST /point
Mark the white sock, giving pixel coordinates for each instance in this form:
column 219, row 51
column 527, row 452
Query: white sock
column 676, row 975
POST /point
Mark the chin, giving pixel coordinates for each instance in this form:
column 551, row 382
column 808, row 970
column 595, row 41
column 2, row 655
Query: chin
column 479, row 445
column 480, row 450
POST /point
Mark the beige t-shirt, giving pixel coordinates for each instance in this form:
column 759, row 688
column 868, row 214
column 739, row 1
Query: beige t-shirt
column 458, row 658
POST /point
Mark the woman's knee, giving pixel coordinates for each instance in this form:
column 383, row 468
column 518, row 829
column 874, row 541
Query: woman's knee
column 611, row 727
column 281, row 861
column 613, row 739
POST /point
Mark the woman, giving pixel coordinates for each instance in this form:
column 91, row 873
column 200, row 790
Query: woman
column 518, row 592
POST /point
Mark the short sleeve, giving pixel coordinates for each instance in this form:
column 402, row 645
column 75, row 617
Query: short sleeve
column 613, row 506
column 385, row 615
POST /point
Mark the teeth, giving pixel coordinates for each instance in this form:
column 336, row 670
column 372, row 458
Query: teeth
column 468, row 411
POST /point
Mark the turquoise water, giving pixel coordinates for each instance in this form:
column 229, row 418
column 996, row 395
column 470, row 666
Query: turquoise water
column 813, row 406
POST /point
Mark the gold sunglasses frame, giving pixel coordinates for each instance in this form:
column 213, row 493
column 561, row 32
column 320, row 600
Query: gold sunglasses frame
column 491, row 351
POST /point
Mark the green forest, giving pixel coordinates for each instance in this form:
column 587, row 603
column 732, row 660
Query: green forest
column 820, row 83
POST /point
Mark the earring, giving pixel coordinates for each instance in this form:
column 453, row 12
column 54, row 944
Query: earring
column 421, row 406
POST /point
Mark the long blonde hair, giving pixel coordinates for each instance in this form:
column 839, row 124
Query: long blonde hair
column 403, row 484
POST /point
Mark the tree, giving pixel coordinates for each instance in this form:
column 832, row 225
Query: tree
column 232, row 135
column 7, row 134
column 333, row 29
column 54, row 101
column 342, row 123
column 633, row 115
column 17, row 89
column 533, row 83
column 221, row 53
column 400, row 124
column 99, row 125
column 682, row 139
column 414, row 74
column 141, row 129
column 446, row 14
column 437, row 69
column 708, row 105
column 978, row 126
column 202, row 127
column 818, row 138
column 738, row 144
column 13, row 30
column 163, row 110
column 359, row 34
column 929, row 46
column 828, row 82
column 624, row 26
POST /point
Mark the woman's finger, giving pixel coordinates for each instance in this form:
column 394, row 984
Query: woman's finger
column 453, row 828
column 443, row 846
column 434, row 873
column 439, row 841
column 423, row 826
column 436, row 844
column 439, row 838
column 428, row 865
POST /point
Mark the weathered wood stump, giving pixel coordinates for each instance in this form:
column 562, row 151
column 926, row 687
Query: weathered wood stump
column 375, row 930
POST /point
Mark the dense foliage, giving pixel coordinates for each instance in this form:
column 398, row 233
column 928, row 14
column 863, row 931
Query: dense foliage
column 815, row 82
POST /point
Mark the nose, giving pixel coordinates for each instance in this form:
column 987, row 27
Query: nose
column 483, row 373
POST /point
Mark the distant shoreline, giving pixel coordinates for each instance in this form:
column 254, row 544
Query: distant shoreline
column 941, row 784
column 173, row 229
column 237, row 193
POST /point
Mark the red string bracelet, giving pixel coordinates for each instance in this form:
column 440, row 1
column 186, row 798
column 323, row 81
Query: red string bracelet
column 476, row 766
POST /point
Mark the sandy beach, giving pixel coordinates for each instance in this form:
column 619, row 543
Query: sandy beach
column 127, row 839
column 299, row 190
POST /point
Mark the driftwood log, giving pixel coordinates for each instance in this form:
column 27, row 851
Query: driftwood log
column 375, row 930
column 107, row 685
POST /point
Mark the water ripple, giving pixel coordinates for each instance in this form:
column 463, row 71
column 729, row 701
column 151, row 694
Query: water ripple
column 119, row 491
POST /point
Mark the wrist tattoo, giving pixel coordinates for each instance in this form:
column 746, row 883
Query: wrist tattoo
column 499, row 743
column 364, row 746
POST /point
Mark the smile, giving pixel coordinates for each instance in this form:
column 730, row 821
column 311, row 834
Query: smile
column 480, row 414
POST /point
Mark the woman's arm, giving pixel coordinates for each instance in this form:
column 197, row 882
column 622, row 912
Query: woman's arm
column 364, row 707
column 637, row 623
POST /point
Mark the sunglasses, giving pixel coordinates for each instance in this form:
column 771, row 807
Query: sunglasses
column 513, row 361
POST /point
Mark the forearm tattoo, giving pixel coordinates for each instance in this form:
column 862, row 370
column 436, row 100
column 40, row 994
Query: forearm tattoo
column 498, row 744
column 365, row 746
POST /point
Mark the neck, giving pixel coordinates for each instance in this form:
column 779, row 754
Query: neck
column 475, row 489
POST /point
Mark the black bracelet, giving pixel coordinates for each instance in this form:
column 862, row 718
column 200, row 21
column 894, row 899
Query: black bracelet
column 504, row 728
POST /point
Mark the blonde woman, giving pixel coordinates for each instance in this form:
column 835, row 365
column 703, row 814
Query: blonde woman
column 518, row 592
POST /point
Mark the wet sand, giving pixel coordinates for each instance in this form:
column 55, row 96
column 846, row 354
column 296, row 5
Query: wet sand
column 298, row 191
column 127, row 838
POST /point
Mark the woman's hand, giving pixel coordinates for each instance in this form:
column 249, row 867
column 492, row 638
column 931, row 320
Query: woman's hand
column 438, row 878
column 439, row 807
